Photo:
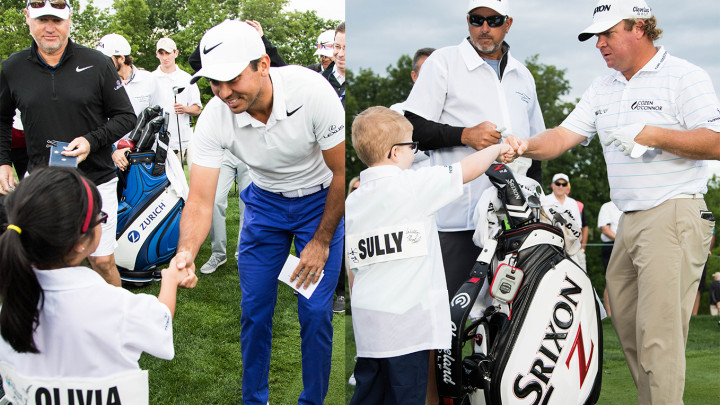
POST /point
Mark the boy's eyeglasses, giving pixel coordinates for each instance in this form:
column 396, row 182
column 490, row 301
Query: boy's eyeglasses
column 102, row 218
column 59, row 4
column 559, row 184
column 413, row 147
column 493, row 21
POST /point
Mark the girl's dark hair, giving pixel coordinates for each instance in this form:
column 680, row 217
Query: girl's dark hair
column 50, row 208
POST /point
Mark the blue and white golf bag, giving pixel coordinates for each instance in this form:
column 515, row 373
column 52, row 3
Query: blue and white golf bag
column 149, row 207
column 535, row 327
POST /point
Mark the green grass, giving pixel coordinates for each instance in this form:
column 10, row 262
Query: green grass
column 207, row 368
column 702, row 378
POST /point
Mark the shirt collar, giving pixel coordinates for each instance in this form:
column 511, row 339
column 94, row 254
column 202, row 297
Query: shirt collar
column 652, row 66
column 279, row 112
column 473, row 60
column 68, row 278
column 378, row 172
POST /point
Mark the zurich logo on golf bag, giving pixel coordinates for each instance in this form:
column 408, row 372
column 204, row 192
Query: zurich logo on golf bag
column 149, row 207
column 534, row 326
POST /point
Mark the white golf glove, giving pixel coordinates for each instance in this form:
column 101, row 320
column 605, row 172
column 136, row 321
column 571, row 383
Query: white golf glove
column 624, row 139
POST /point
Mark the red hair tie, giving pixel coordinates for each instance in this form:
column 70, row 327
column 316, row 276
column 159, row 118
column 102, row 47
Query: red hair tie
column 88, row 217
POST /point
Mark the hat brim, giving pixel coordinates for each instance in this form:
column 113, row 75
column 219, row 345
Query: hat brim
column 221, row 73
column 63, row 13
column 596, row 28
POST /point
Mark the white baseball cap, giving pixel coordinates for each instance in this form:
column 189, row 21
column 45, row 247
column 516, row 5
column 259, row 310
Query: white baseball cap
column 227, row 49
column 560, row 176
column 501, row 6
column 114, row 45
column 325, row 43
column 607, row 13
column 166, row 44
column 48, row 9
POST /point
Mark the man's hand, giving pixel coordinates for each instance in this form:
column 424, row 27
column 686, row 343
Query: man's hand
column 7, row 179
column 481, row 136
column 184, row 278
column 256, row 25
column 179, row 109
column 519, row 146
column 183, row 261
column 120, row 158
column 624, row 139
column 312, row 262
column 79, row 147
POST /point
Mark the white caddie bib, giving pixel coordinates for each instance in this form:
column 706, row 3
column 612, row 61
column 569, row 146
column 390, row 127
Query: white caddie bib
column 395, row 242
column 128, row 388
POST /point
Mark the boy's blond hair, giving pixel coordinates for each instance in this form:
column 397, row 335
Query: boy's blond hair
column 375, row 131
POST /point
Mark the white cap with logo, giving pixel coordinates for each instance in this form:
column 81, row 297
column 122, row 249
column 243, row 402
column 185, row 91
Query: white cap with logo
column 501, row 6
column 166, row 44
column 227, row 49
column 325, row 43
column 607, row 13
column 113, row 45
column 49, row 7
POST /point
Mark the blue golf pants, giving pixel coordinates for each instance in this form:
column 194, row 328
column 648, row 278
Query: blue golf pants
column 270, row 223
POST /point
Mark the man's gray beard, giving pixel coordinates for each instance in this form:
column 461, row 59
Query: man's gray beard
column 483, row 50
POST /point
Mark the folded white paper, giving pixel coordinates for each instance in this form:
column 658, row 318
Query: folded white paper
column 287, row 271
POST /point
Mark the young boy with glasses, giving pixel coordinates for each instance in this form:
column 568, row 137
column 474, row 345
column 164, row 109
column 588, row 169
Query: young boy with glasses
column 399, row 296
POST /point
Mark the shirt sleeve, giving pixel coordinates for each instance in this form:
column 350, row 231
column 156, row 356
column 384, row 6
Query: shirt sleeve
column 147, row 327
column 697, row 102
column 195, row 96
column 7, row 111
column 328, row 118
column 582, row 120
column 437, row 186
column 207, row 148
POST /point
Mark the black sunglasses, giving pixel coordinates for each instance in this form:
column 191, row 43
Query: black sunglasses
column 559, row 184
column 59, row 4
column 493, row 21
column 413, row 147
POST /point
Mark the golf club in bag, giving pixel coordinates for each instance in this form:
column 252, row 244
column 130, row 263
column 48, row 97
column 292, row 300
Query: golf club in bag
column 177, row 90
column 535, row 331
column 149, row 208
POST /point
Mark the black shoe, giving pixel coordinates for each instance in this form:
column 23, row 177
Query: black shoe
column 339, row 304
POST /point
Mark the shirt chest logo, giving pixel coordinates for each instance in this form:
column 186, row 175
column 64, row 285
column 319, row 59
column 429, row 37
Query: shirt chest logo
column 646, row 105
column 386, row 244
column 79, row 69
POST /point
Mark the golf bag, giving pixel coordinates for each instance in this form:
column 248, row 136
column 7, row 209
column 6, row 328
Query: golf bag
column 149, row 208
column 537, row 339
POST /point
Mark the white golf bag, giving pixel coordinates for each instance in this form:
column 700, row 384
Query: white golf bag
column 534, row 328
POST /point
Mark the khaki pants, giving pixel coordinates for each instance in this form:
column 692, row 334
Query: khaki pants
column 652, row 281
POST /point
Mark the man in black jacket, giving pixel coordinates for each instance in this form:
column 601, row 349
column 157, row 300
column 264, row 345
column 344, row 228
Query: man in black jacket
column 66, row 92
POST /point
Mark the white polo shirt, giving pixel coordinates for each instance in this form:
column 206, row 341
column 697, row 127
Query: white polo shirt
column 399, row 296
column 609, row 215
column 667, row 92
column 286, row 153
column 142, row 90
column 190, row 96
column 89, row 328
column 457, row 87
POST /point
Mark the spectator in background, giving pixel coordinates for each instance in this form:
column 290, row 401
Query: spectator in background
column 715, row 295
column 421, row 159
column 324, row 51
column 582, row 260
column 140, row 84
column 608, row 220
column 176, row 96
column 335, row 72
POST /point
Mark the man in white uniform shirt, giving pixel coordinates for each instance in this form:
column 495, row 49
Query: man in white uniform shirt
column 654, row 100
column 564, row 204
column 182, row 106
column 288, row 126
column 140, row 85
column 464, row 96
